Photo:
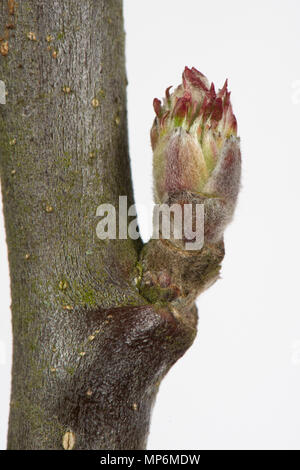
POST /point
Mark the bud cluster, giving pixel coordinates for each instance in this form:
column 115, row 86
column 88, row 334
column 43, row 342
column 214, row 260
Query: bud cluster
column 196, row 152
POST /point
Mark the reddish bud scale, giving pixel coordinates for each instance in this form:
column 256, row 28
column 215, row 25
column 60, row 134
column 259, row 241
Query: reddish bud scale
column 157, row 107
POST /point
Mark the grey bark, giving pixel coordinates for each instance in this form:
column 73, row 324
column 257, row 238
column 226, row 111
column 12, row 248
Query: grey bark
column 89, row 349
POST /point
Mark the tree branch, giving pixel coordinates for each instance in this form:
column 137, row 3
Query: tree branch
column 96, row 324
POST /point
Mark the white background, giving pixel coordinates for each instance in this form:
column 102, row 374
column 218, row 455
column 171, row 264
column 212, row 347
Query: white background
column 239, row 384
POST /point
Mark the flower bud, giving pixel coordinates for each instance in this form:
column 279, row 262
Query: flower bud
column 196, row 149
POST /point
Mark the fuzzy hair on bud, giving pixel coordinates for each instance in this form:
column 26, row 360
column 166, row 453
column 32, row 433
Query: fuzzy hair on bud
column 196, row 149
